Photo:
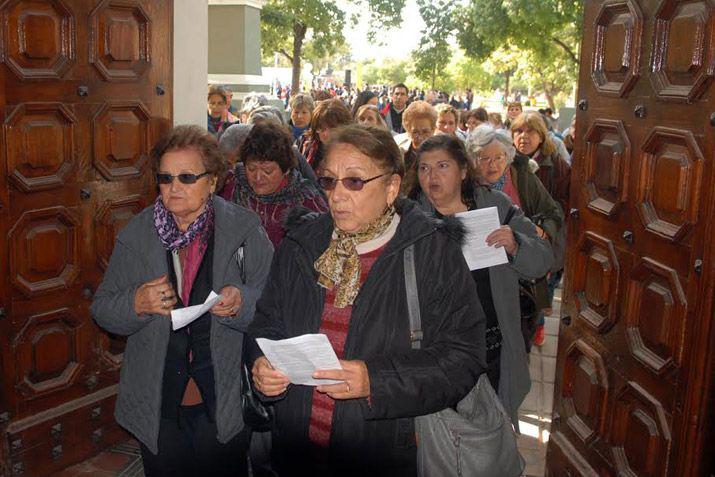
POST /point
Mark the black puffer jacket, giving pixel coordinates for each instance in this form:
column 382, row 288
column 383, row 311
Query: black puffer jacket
column 377, row 438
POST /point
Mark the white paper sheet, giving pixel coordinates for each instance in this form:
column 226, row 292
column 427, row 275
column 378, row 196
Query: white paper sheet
column 183, row 316
column 479, row 224
column 298, row 358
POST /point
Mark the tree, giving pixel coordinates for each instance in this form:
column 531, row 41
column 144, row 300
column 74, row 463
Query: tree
column 433, row 53
column 388, row 71
column 547, row 32
column 287, row 24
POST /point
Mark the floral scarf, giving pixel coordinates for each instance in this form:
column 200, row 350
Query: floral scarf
column 339, row 265
column 174, row 239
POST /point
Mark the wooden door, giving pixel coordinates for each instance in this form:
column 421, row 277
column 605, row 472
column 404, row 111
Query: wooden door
column 85, row 89
column 634, row 393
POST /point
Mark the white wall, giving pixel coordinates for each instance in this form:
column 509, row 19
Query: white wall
column 191, row 51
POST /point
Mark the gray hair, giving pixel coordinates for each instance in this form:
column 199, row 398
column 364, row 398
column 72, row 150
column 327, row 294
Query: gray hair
column 484, row 135
column 263, row 113
column 302, row 100
column 233, row 138
column 253, row 101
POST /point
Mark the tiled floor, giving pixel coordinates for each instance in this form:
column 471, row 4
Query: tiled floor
column 123, row 460
column 535, row 413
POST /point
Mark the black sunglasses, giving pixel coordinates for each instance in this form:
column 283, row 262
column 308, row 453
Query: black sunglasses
column 350, row 183
column 184, row 178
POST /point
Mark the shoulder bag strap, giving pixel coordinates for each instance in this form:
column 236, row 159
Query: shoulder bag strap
column 413, row 299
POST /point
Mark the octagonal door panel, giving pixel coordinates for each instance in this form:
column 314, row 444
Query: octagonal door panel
column 80, row 110
column 635, row 367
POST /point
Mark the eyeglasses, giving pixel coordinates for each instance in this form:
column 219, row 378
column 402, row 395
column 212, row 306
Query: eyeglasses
column 490, row 160
column 350, row 183
column 184, row 178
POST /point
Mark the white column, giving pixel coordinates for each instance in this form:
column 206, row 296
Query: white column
column 191, row 61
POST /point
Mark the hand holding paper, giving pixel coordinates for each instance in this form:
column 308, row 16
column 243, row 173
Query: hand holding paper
column 184, row 316
column 480, row 223
column 298, row 358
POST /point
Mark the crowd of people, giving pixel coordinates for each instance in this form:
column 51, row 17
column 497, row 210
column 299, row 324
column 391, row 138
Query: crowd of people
column 301, row 222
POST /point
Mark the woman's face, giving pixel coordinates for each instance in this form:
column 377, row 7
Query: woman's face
column 447, row 124
column 300, row 117
column 264, row 177
column 472, row 123
column 324, row 134
column 491, row 162
column 513, row 112
column 440, row 177
column 185, row 201
column 420, row 130
column 526, row 140
column 353, row 210
column 216, row 105
column 372, row 101
column 368, row 117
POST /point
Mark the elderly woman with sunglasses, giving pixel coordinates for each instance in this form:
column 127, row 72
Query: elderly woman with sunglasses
column 342, row 274
column 180, row 389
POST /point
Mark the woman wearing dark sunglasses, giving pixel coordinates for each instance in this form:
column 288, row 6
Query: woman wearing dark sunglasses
column 180, row 390
column 342, row 274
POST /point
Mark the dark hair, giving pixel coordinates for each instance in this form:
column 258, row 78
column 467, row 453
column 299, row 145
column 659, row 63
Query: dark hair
column 266, row 143
column 376, row 143
column 191, row 137
column 480, row 114
column 330, row 113
column 400, row 85
column 361, row 99
column 454, row 147
column 215, row 89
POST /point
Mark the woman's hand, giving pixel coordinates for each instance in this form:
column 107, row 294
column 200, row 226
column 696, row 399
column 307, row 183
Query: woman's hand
column 155, row 297
column 356, row 380
column 540, row 232
column 230, row 304
column 267, row 380
column 503, row 237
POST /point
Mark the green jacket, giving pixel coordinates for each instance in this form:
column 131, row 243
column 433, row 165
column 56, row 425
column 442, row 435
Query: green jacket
column 542, row 209
column 535, row 199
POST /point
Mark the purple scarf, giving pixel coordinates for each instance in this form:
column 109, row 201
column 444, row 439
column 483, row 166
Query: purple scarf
column 174, row 239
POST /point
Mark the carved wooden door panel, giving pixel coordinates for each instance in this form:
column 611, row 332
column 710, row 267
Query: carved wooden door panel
column 84, row 92
column 635, row 359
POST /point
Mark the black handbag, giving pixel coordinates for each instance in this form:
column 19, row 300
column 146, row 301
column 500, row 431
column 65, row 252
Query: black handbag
column 257, row 416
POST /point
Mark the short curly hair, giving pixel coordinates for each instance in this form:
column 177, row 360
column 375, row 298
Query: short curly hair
column 419, row 110
column 268, row 143
column 196, row 138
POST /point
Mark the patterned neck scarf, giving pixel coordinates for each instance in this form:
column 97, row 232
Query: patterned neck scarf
column 174, row 239
column 499, row 184
column 339, row 265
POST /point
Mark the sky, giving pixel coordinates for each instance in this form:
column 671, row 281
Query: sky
column 396, row 43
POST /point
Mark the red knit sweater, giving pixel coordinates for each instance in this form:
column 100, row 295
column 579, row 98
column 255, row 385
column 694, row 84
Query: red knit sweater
column 335, row 325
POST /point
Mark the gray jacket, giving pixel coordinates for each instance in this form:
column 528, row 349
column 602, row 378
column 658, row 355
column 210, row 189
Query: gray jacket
column 139, row 257
column 533, row 260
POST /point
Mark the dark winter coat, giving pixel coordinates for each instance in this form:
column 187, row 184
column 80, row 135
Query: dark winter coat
column 377, row 437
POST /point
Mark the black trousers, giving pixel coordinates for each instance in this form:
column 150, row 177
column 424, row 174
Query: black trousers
column 189, row 448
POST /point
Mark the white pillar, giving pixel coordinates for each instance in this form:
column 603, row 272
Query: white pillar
column 191, row 41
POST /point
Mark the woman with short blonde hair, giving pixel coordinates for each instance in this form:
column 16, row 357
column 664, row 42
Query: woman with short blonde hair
column 420, row 122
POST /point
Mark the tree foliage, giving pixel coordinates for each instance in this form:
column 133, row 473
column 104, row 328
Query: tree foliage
column 288, row 25
column 433, row 53
column 544, row 34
